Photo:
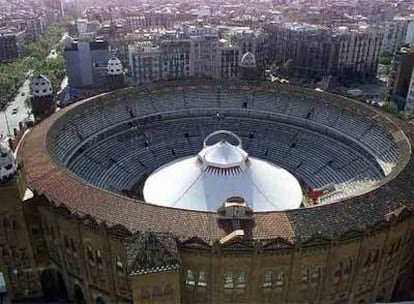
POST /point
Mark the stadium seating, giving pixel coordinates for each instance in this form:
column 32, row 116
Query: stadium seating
column 147, row 132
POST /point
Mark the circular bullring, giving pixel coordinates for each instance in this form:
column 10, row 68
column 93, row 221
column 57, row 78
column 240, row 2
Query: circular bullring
column 94, row 157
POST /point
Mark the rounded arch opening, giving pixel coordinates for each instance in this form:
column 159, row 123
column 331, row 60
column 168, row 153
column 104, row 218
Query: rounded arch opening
column 53, row 285
column 78, row 295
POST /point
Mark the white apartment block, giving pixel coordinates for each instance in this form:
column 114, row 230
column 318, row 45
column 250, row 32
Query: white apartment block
column 395, row 34
column 144, row 62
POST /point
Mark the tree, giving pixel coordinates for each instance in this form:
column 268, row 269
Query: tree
column 12, row 75
column 390, row 107
column 385, row 58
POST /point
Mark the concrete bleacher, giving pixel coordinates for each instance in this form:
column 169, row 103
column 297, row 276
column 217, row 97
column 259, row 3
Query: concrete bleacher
column 117, row 163
column 139, row 145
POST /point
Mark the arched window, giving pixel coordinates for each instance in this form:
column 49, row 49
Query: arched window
column 337, row 273
column 6, row 223
column 52, row 230
column 89, row 255
column 189, row 279
column 241, row 280
column 73, row 247
column 367, row 263
column 375, row 259
column 120, row 267
column 168, row 291
column 156, row 292
column 99, row 260
column 202, row 279
column 99, row 300
column 304, row 275
column 280, row 279
column 6, row 252
column 66, row 241
column 145, row 294
column 349, row 265
column 228, row 280
column 267, row 279
column 315, row 276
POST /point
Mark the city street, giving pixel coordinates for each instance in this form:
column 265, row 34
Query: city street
column 12, row 120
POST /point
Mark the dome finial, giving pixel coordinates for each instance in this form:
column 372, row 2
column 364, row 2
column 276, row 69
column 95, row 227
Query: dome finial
column 114, row 66
column 8, row 164
column 248, row 60
column 41, row 86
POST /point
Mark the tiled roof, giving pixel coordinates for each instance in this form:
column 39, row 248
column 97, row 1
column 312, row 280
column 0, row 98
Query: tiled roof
column 152, row 252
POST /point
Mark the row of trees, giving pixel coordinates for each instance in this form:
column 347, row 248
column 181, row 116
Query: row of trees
column 12, row 75
column 53, row 69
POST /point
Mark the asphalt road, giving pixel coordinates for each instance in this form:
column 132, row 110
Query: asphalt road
column 12, row 120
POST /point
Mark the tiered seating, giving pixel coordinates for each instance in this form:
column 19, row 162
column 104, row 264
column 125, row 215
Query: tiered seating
column 118, row 161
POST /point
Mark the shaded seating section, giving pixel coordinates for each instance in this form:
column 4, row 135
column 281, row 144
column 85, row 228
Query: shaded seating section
column 130, row 145
column 118, row 162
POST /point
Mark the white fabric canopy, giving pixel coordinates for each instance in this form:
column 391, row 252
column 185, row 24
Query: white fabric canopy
column 219, row 172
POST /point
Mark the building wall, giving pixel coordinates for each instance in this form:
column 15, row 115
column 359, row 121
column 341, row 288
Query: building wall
column 400, row 74
column 322, row 52
column 86, row 63
column 230, row 57
column 11, row 46
column 16, row 256
column 394, row 35
column 160, row 288
column 204, row 57
column 409, row 106
column 409, row 38
column 90, row 258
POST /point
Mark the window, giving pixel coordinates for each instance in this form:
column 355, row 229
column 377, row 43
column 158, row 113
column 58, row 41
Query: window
column 72, row 246
column 99, row 260
column 168, row 291
column 228, row 280
column 280, row 279
column 35, row 229
column 241, row 281
column 6, row 223
column 189, row 280
column 120, row 266
column 267, row 279
column 156, row 292
column 89, row 255
column 6, row 252
column 145, row 294
column 66, row 241
column 202, row 279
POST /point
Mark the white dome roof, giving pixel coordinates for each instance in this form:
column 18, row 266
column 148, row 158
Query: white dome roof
column 42, row 86
column 248, row 60
column 8, row 164
column 114, row 66
column 221, row 171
